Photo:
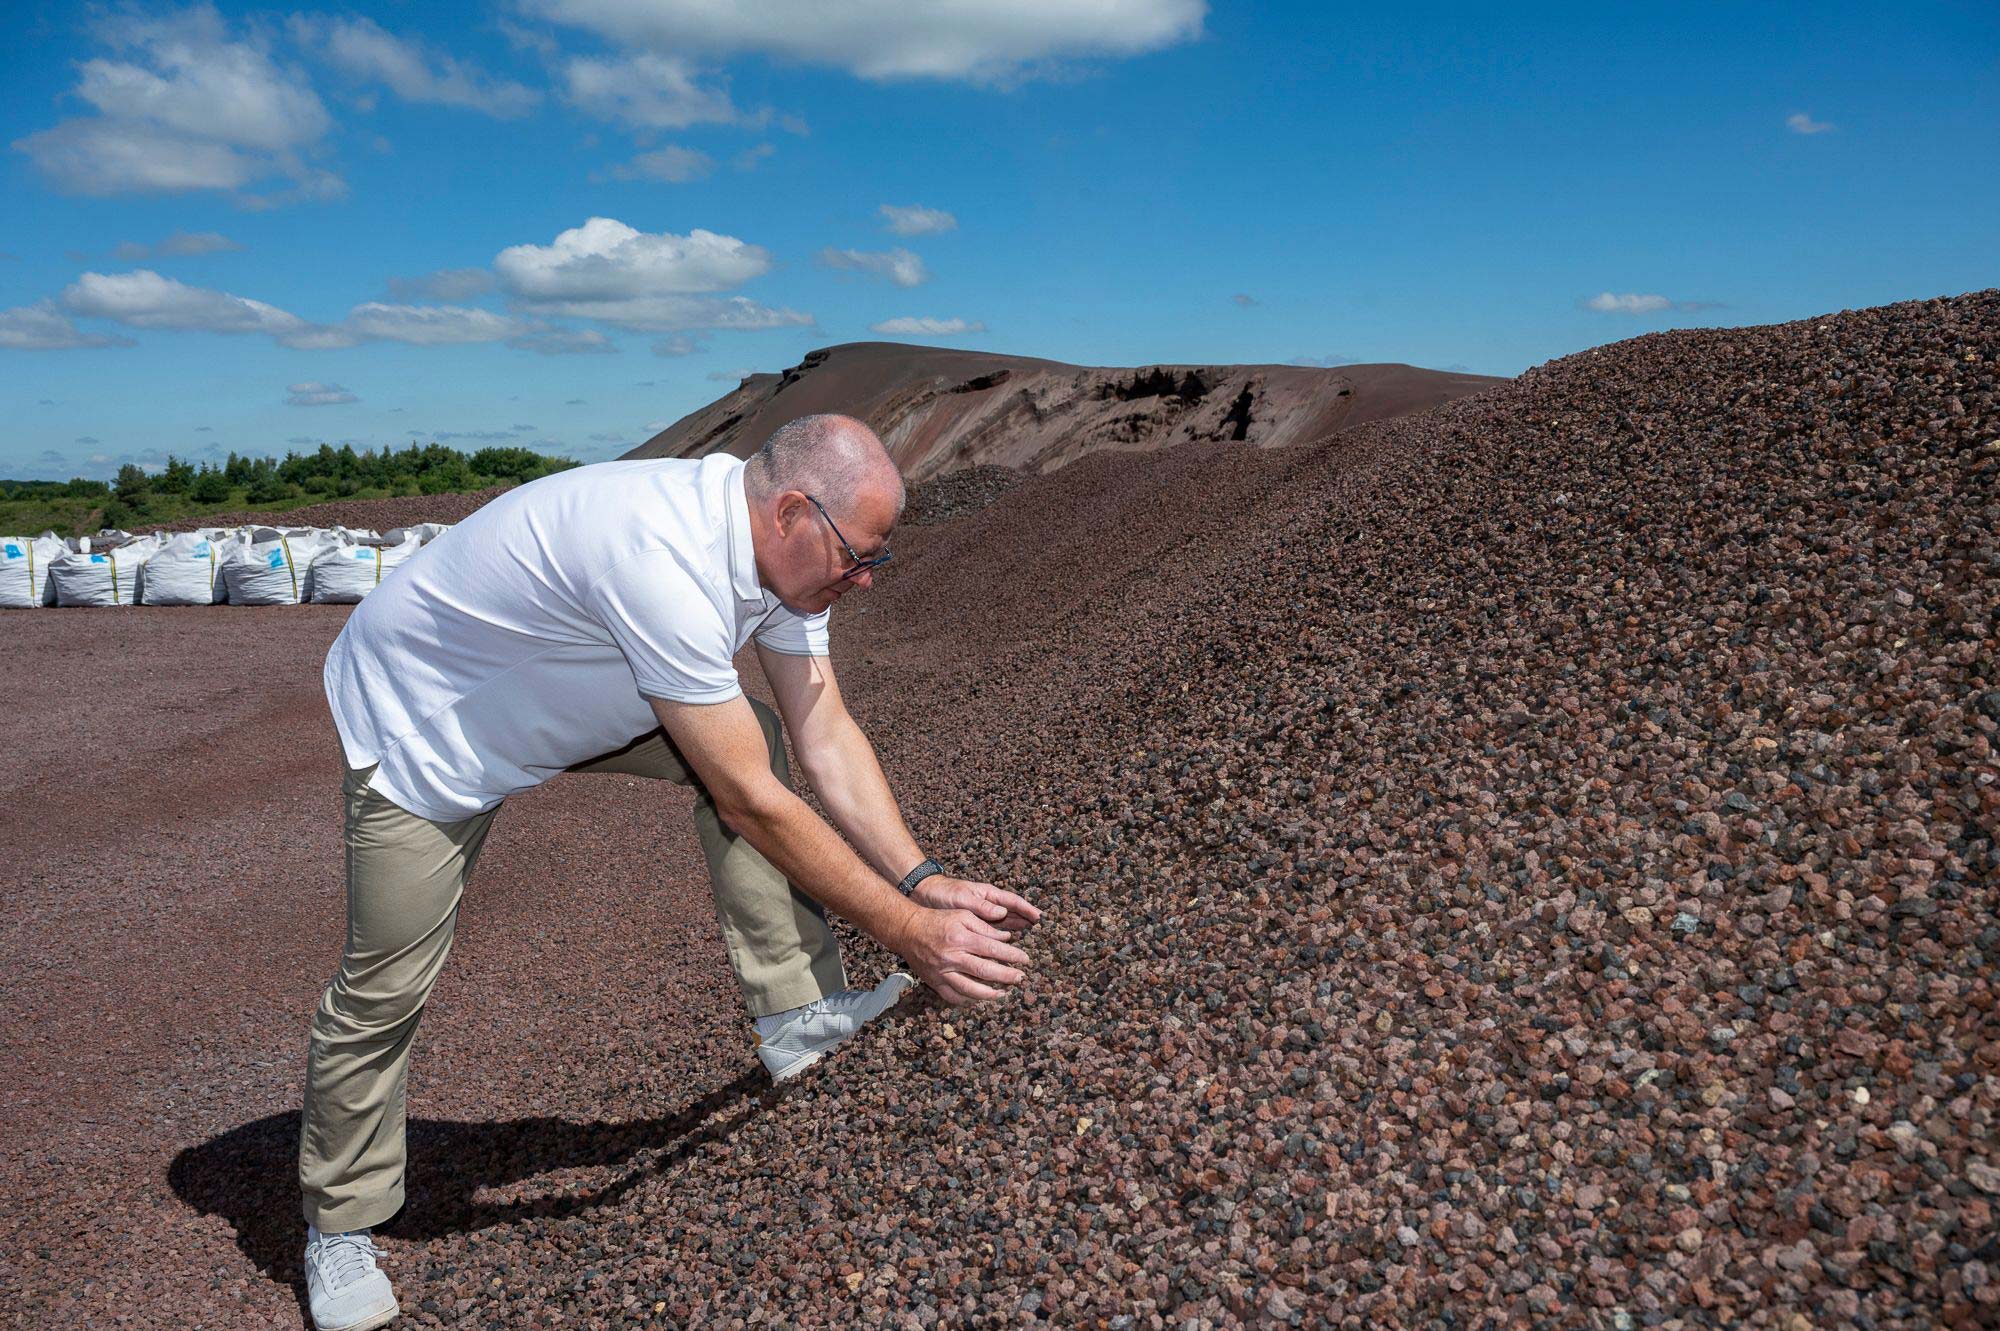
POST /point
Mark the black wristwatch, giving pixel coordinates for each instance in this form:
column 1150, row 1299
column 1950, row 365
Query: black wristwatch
column 917, row 875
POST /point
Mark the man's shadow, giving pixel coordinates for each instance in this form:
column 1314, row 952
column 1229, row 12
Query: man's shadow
column 249, row 1175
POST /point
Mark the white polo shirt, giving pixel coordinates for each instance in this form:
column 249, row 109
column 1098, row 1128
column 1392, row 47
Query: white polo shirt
column 528, row 637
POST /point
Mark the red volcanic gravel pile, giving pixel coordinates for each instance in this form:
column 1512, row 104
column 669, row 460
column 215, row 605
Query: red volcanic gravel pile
column 957, row 493
column 1530, row 863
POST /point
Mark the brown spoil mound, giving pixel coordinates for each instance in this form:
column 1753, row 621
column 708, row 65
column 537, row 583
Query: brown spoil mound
column 1531, row 863
column 940, row 410
column 360, row 514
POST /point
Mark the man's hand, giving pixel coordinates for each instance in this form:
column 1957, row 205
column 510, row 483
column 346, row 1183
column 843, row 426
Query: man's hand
column 961, row 956
column 998, row 907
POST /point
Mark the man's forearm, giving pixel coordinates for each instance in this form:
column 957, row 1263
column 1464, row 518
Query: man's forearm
column 812, row 855
column 848, row 779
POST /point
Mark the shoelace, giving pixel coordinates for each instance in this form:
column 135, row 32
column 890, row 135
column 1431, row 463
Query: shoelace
column 345, row 1258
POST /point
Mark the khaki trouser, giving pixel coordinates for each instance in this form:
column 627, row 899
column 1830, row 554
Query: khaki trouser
column 405, row 875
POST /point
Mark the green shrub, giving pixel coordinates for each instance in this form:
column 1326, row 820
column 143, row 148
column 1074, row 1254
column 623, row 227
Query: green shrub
column 177, row 477
column 132, row 482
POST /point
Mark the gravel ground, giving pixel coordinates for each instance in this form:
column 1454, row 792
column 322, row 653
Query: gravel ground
column 1527, row 864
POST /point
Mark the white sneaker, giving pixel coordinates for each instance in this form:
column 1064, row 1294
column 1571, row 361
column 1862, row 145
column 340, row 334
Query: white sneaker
column 790, row 1042
column 348, row 1291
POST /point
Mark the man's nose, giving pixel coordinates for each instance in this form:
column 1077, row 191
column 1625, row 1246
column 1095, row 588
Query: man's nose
column 864, row 579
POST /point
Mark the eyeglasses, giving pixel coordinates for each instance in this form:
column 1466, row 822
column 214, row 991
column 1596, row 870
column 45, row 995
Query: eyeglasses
column 860, row 565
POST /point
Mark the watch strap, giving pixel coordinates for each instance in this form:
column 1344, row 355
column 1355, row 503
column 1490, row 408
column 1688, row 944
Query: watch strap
column 917, row 875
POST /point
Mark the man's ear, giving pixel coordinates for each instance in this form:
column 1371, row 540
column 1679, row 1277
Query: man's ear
column 792, row 507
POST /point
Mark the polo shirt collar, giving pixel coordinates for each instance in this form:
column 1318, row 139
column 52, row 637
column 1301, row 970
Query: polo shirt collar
column 742, row 551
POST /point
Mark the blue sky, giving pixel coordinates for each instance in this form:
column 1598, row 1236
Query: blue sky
column 256, row 229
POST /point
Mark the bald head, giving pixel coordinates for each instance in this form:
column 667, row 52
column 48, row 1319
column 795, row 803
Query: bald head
column 837, row 459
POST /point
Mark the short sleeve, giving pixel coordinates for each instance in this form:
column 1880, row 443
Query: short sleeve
column 796, row 635
column 671, row 634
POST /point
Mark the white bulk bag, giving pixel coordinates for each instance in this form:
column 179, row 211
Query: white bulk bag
column 187, row 571
column 343, row 574
column 430, row 531
column 25, row 562
column 102, row 577
column 273, row 571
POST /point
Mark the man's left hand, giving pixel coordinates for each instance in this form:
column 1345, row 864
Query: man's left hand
column 996, row 905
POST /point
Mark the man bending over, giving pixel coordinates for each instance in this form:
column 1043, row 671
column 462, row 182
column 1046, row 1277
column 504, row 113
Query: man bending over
column 588, row 622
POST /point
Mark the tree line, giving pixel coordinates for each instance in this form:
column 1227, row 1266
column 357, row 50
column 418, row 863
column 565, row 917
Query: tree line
column 136, row 495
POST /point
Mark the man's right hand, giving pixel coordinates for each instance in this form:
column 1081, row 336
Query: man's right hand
column 961, row 956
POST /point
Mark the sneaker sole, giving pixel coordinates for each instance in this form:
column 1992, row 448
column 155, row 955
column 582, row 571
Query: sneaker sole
column 367, row 1323
column 795, row 1069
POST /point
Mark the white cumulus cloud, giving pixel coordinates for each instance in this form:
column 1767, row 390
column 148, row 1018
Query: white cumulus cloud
column 651, row 91
column 180, row 244
column 564, row 342
column 672, row 164
column 144, row 299
column 431, row 325
column 1631, row 302
column 885, row 39
column 183, row 104
column 916, row 220
column 448, row 284
column 103, row 157
column 1606, row 302
column 924, row 327
column 898, row 265
column 648, row 281
column 1801, row 123
column 315, row 394
column 43, row 327
column 364, row 50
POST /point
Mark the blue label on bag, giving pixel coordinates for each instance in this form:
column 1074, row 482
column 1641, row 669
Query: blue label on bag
column 364, row 555
column 100, row 559
column 276, row 559
column 201, row 549
column 14, row 551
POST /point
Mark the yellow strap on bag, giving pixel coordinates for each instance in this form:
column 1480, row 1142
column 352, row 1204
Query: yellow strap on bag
column 112, row 556
column 290, row 567
column 378, row 566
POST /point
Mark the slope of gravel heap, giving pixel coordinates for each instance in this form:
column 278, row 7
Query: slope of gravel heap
column 369, row 514
column 1531, row 863
column 956, row 494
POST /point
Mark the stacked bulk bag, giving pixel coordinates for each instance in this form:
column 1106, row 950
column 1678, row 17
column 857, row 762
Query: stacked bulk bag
column 343, row 574
column 187, row 570
column 25, row 569
column 430, row 531
column 103, row 577
column 273, row 567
